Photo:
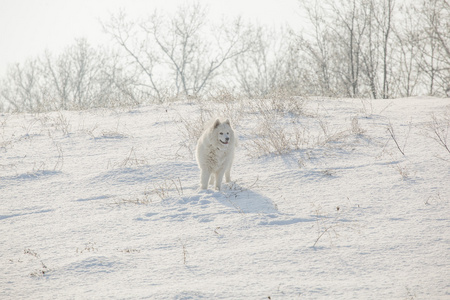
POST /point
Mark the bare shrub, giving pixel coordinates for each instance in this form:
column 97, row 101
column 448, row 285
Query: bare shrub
column 330, row 135
column 284, row 126
column 191, row 130
column 395, row 138
column 131, row 160
column 227, row 105
column 61, row 123
column 273, row 133
column 280, row 102
column 275, row 139
column 439, row 128
column 356, row 127
column 272, row 136
column 165, row 188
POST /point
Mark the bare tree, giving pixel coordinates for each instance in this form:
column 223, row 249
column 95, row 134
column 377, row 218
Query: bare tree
column 180, row 42
column 385, row 48
column 76, row 77
column 57, row 75
column 183, row 47
column 140, row 53
column 350, row 19
column 407, row 40
column 21, row 88
column 384, row 17
column 371, row 52
column 435, row 51
column 318, row 46
column 263, row 69
column 194, row 56
column 122, row 82
column 353, row 41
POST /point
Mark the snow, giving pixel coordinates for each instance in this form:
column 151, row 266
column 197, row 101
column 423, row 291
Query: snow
column 106, row 204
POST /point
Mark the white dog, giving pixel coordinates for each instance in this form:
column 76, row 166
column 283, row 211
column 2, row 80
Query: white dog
column 215, row 153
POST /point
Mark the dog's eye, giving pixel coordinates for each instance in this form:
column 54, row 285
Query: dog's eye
column 221, row 133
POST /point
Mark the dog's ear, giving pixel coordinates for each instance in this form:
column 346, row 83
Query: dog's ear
column 227, row 122
column 216, row 123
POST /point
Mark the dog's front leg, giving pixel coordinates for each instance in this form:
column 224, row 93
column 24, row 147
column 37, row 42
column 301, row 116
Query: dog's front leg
column 204, row 179
column 212, row 179
column 227, row 175
column 219, row 178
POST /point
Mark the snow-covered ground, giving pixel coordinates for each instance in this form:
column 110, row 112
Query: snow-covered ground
column 105, row 203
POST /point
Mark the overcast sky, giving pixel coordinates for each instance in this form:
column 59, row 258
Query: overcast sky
column 29, row 27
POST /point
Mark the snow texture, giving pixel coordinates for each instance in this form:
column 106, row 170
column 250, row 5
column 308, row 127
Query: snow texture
column 106, row 204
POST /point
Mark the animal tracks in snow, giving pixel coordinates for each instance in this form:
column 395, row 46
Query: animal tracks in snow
column 206, row 205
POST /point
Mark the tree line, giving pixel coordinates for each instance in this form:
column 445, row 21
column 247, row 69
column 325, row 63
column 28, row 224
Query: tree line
column 349, row 48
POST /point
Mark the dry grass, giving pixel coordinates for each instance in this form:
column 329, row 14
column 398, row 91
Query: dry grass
column 145, row 200
column 129, row 250
column 183, row 243
column 42, row 270
column 191, row 130
column 88, row 247
column 331, row 226
column 356, row 129
column 130, row 160
column 403, row 170
column 400, row 147
column 439, row 129
column 279, row 131
column 165, row 188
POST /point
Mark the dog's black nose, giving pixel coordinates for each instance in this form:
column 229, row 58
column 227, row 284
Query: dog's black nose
column 227, row 139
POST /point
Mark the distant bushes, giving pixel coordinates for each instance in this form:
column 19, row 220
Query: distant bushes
column 81, row 77
column 348, row 48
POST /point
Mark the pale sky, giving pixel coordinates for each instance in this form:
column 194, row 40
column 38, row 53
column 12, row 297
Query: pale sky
column 29, row 27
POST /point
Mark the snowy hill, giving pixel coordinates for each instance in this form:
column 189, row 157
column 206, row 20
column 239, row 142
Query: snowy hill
column 330, row 199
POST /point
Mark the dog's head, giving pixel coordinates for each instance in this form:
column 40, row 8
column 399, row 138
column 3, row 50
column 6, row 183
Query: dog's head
column 223, row 132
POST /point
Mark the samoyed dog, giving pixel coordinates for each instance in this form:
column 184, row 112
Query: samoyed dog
column 215, row 153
